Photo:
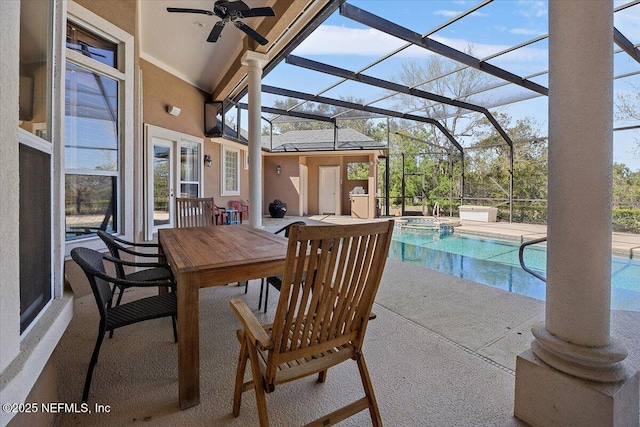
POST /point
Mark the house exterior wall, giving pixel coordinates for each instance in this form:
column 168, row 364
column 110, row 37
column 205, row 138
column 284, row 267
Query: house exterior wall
column 285, row 186
column 10, row 266
column 122, row 13
column 25, row 359
column 159, row 89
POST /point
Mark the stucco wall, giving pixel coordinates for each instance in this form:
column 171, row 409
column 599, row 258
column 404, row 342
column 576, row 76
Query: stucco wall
column 159, row 89
column 285, row 186
column 9, row 267
column 119, row 12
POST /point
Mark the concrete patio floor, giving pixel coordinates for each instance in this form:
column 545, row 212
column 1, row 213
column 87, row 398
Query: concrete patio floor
column 441, row 352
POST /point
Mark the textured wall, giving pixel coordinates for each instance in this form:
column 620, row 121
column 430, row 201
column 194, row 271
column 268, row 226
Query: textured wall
column 159, row 89
column 284, row 186
column 119, row 12
column 9, row 268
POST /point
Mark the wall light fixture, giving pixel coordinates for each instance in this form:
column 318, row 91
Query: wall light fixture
column 173, row 110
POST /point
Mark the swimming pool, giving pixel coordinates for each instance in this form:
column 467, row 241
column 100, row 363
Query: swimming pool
column 495, row 263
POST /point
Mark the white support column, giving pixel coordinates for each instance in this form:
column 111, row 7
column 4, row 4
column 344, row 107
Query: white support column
column 254, row 62
column 573, row 374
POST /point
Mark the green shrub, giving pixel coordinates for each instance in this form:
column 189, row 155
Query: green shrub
column 626, row 220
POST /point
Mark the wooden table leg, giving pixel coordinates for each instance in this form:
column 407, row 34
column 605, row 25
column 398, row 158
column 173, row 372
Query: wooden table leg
column 188, row 339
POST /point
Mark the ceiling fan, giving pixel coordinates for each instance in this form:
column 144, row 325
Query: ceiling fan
column 230, row 11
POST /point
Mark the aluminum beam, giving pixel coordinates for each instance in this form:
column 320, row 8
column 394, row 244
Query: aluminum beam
column 395, row 87
column 373, row 21
column 626, row 44
column 298, row 114
column 346, row 104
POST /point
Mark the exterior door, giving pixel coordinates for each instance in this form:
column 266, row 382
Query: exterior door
column 174, row 169
column 329, row 190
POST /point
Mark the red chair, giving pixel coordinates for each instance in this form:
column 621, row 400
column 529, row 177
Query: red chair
column 240, row 207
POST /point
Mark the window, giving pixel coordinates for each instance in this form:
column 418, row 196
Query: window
column 98, row 119
column 91, row 152
column 35, row 164
column 190, row 165
column 230, row 180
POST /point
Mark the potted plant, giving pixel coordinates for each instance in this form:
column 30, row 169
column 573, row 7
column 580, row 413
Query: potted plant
column 277, row 209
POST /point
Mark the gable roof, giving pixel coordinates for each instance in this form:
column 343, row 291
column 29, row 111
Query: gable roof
column 320, row 140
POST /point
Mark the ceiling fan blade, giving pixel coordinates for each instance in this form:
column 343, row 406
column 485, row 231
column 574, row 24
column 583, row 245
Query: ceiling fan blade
column 215, row 32
column 257, row 11
column 184, row 10
column 250, row 32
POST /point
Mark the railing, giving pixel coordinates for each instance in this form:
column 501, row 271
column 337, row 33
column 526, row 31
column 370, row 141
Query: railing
column 436, row 210
column 521, row 257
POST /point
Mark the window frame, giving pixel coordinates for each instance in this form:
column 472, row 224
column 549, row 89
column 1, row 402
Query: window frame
column 125, row 75
column 224, row 191
column 198, row 145
column 42, row 143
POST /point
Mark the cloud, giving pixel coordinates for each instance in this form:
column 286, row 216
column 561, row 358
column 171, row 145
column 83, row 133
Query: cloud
column 454, row 13
column 336, row 40
column 447, row 13
column 526, row 32
column 533, row 8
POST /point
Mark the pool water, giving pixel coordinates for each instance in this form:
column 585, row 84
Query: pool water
column 495, row 263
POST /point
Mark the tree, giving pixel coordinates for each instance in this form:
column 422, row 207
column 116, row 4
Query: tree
column 440, row 76
column 626, row 187
column 628, row 108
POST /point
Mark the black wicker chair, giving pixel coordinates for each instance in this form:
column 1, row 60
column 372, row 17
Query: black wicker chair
column 113, row 317
column 159, row 270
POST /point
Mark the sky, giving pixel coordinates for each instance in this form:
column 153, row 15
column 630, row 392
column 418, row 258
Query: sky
column 497, row 26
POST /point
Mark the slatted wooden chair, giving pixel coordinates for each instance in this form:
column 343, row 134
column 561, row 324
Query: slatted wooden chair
column 320, row 322
column 195, row 212
column 275, row 281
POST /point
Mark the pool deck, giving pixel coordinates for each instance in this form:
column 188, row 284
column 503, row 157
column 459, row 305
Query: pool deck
column 441, row 352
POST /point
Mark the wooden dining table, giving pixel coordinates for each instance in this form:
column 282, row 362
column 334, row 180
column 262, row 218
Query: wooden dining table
column 212, row 256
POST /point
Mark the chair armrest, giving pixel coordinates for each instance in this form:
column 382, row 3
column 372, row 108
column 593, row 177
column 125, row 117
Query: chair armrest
column 251, row 325
column 136, row 264
column 140, row 254
column 141, row 284
column 140, row 244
